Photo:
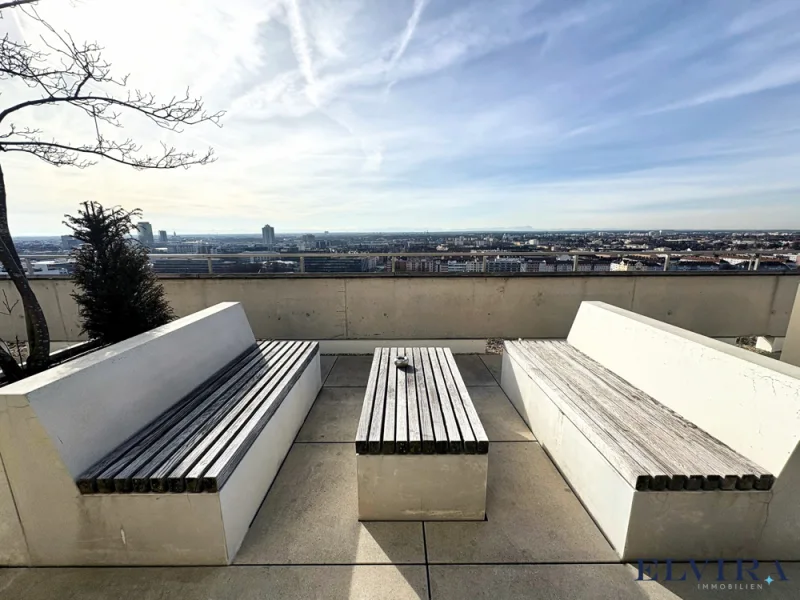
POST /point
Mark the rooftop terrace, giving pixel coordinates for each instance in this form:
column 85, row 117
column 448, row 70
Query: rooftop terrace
column 306, row 541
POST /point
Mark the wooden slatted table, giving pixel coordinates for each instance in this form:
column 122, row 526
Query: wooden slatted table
column 422, row 450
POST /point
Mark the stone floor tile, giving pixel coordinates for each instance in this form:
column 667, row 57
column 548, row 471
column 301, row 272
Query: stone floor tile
column 349, row 371
column 473, row 370
column 493, row 362
column 532, row 516
column 499, row 417
column 217, row 583
column 334, row 416
column 310, row 516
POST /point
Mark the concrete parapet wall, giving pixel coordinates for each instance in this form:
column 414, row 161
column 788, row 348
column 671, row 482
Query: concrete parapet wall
column 462, row 307
column 791, row 345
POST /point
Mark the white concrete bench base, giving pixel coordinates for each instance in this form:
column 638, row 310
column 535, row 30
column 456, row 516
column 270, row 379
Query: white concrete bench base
column 436, row 487
column 646, row 525
column 55, row 425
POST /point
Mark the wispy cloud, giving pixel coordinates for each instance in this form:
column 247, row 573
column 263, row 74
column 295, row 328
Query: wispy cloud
column 454, row 113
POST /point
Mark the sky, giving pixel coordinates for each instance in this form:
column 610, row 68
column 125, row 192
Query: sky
column 349, row 115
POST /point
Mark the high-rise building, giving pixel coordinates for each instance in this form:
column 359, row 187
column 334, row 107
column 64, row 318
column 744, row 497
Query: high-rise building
column 162, row 237
column 268, row 235
column 145, row 233
column 68, row 242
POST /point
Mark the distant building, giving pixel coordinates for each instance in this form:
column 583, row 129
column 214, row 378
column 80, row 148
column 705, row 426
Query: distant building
column 464, row 266
column 145, row 233
column 162, row 237
column 268, row 235
column 504, row 265
column 68, row 242
column 314, row 264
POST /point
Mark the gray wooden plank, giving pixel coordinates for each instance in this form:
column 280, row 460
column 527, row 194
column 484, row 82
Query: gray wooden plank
column 219, row 472
column 401, row 425
column 376, row 427
column 175, row 468
column 414, row 431
column 481, row 439
column 120, row 475
column 215, row 442
column 362, row 433
column 441, row 441
column 470, row 445
column 125, row 452
column 390, row 414
column 425, row 421
column 455, row 441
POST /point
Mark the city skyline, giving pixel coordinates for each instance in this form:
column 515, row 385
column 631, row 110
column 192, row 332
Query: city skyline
column 447, row 115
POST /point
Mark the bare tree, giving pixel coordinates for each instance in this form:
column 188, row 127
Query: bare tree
column 75, row 76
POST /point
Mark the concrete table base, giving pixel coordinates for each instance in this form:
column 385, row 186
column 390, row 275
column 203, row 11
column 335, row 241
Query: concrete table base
column 422, row 487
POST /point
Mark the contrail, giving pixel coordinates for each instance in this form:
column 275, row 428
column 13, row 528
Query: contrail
column 411, row 26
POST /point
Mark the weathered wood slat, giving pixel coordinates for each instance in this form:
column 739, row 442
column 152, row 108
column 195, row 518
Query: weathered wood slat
column 464, row 426
column 651, row 446
column 455, row 443
column 138, row 475
column 414, row 435
column 235, row 449
column 401, row 424
column 187, row 475
column 125, row 452
column 481, row 439
column 376, row 427
column 362, row 433
column 441, row 441
column 390, row 414
column 425, row 422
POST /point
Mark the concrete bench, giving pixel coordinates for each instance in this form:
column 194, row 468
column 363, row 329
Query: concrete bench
column 422, row 450
column 678, row 445
column 106, row 456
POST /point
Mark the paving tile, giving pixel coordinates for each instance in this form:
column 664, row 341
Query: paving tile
column 493, row 362
column 310, row 516
column 350, row 371
column 579, row 582
column 499, row 417
column 217, row 583
column 473, row 370
column 334, row 416
column 532, row 516
column 325, row 365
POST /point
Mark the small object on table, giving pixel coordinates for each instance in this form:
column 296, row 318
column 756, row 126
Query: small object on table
column 401, row 361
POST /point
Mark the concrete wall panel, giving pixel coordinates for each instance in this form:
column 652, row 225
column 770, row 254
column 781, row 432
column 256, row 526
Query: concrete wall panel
column 791, row 346
column 420, row 307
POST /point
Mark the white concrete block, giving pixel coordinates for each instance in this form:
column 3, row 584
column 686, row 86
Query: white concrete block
column 768, row 343
column 422, row 487
column 243, row 493
column 90, row 405
column 791, row 347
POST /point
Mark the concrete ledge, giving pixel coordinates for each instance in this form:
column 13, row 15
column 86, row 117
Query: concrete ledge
column 791, row 347
column 435, row 487
column 368, row 346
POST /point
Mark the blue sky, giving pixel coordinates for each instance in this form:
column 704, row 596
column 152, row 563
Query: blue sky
column 445, row 114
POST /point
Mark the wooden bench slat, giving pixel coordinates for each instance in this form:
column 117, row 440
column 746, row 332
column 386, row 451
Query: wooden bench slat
column 137, row 475
column 442, row 442
column 481, row 438
column 124, row 453
column 252, row 426
column 470, row 446
column 362, row 434
column 401, row 425
column 425, row 421
column 119, row 477
column 178, row 479
column 390, row 415
column 376, row 427
column 414, row 435
column 455, row 443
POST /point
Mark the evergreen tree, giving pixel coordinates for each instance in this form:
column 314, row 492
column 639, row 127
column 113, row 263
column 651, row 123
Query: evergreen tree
column 118, row 294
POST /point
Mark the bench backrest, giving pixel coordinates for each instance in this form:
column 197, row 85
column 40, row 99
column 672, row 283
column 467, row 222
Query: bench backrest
column 748, row 401
column 90, row 405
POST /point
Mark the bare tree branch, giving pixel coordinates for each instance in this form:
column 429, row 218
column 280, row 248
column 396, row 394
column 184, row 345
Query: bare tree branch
column 14, row 3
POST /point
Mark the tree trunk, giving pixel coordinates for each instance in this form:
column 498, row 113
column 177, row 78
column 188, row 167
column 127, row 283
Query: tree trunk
column 38, row 333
